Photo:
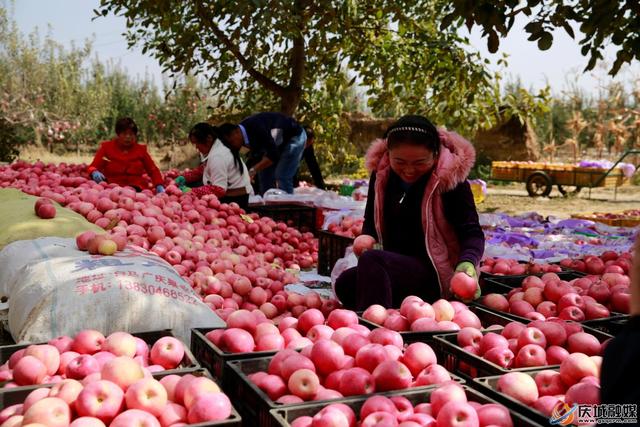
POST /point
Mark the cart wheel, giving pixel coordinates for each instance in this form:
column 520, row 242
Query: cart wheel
column 539, row 184
column 566, row 192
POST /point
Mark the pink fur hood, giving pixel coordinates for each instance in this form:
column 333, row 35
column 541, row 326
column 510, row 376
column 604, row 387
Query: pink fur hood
column 456, row 159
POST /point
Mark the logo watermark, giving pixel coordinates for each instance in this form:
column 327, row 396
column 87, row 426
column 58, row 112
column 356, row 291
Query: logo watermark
column 564, row 415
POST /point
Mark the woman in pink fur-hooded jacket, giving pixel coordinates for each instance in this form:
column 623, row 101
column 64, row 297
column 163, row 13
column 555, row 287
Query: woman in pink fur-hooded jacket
column 421, row 212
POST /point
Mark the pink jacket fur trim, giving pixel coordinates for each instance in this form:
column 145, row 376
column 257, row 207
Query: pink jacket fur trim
column 455, row 161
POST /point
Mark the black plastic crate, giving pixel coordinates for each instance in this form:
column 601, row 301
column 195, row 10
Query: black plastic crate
column 609, row 325
column 488, row 386
column 214, row 359
column 499, row 287
column 283, row 417
column 516, row 281
column 454, row 356
column 254, row 404
column 188, row 361
column 487, row 318
column 331, row 248
column 295, row 215
column 18, row 395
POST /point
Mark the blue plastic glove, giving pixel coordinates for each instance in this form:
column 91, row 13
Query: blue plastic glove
column 180, row 181
column 98, row 177
column 159, row 189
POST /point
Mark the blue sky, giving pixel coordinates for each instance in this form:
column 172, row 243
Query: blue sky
column 70, row 20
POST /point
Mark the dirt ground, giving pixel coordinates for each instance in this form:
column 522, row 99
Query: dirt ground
column 513, row 199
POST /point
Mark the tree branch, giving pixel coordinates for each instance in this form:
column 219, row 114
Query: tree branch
column 298, row 56
column 265, row 81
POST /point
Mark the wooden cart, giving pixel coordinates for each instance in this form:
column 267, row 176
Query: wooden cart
column 541, row 177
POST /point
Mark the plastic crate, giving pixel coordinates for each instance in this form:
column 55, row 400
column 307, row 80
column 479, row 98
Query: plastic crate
column 454, row 356
column 18, row 395
column 254, row 404
column 487, row 318
column 214, row 359
column 295, row 215
column 609, row 325
column 516, row 280
column 488, row 386
column 284, row 416
column 188, row 361
column 331, row 248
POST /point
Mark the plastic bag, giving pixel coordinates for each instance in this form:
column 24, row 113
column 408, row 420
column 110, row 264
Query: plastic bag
column 54, row 289
column 348, row 261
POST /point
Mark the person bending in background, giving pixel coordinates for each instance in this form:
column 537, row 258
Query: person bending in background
column 280, row 140
column 309, row 157
column 620, row 374
column 123, row 161
column 420, row 209
column 223, row 172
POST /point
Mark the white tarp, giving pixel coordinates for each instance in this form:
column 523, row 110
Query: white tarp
column 54, row 289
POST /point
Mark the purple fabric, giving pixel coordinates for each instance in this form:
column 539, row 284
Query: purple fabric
column 386, row 278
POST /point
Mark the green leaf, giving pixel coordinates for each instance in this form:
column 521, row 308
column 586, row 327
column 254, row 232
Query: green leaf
column 545, row 41
column 568, row 29
column 493, row 42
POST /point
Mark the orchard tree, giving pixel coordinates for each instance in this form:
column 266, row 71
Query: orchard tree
column 256, row 52
column 601, row 22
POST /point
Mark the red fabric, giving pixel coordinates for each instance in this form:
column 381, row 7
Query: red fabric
column 208, row 189
column 194, row 174
column 126, row 167
column 455, row 161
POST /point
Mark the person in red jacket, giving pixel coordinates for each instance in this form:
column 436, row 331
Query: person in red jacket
column 123, row 161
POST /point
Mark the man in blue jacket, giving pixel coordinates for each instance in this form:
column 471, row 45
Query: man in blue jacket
column 277, row 140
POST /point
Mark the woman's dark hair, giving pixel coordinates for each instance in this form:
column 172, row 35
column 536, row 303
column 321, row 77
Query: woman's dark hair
column 126, row 123
column 225, row 129
column 202, row 130
column 411, row 129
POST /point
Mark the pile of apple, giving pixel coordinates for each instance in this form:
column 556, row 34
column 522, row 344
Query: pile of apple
column 250, row 331
column 216, row 247
column 121, row 394
column 350, row 362
column 84, row 356
column 419, row 316
column 100, row 243
column 577, row 381
column 546, row 297
column 347, row 227
column 44, row 208
column 511, row 267
column 448, row 407
column 607, row 262
column 539, row 343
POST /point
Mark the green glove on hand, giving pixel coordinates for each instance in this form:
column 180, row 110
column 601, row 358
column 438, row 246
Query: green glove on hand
column 185, row 189
column 470, row 270
column 180, row 181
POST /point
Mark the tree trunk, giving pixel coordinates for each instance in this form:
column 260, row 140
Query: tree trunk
column 290, row 101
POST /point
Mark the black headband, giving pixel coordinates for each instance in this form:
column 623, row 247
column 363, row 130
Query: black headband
column 407, row 129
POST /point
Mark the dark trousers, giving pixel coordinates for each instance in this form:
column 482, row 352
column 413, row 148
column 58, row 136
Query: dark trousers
column 386, row 278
